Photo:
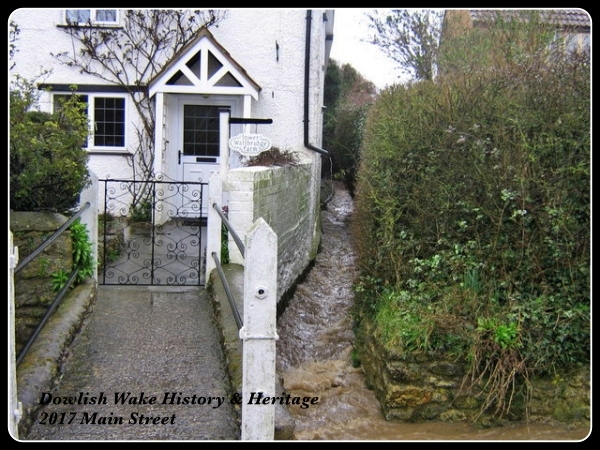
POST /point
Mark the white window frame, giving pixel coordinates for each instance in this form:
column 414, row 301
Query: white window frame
column 91, row 101
column 93, row 16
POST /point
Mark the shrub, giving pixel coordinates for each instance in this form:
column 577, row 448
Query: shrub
column 348, row 135
column 273, row 157
column 348, row 96
column 48, row 164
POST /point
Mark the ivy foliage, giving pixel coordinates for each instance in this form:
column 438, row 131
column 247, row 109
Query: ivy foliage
column 83, row 260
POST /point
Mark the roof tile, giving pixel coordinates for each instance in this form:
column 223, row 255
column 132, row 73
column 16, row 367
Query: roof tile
column 562, row 17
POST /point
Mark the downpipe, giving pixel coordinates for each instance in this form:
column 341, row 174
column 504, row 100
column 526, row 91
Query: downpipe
column 307, row 143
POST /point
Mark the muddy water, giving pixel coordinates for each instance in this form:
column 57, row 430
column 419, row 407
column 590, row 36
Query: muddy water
column 313, row 358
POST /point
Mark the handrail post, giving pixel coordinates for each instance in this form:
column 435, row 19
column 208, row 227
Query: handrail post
column 213, row 231
column 15, row 407
column 259, row 333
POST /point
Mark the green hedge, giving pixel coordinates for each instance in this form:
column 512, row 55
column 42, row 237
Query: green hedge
column 472, row 215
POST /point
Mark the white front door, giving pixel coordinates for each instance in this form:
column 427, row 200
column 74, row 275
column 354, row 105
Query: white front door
column 195, row 152
column 198, row 152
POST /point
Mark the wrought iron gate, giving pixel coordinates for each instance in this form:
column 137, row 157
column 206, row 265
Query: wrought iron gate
column 152, row 233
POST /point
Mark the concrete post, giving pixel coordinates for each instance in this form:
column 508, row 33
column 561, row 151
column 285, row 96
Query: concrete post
column 90, row 218
column 259, row 333
column 213, row 231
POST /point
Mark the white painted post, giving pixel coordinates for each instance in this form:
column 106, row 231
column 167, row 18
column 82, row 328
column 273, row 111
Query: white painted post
column 90, row 218
column 259, row 333
column 15, row 409
column 213, row 231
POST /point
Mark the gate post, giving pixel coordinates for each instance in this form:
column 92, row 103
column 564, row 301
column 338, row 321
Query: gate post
column 259, row 333
column 213, row 226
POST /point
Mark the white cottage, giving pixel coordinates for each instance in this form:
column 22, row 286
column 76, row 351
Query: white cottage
column 255, row 71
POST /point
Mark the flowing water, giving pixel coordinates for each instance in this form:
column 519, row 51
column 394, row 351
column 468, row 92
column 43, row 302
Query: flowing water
column 313, row 358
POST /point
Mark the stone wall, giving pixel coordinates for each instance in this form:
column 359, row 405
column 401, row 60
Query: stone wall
column 413, row 387
column 282, row 197
column 32, row 295
column 33, row 284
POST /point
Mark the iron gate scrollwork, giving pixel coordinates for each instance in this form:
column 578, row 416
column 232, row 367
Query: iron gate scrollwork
column 152, row 233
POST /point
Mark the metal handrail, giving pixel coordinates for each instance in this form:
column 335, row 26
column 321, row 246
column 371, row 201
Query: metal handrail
column 51, row 239
column 238, row 241
column 49, row 312
column 232, row 304
column 236, row 238
column 65, row 288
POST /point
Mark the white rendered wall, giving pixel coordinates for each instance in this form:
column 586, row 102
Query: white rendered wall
column 268, row 43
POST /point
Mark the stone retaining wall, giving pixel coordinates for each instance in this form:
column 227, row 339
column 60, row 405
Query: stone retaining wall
column 33, row 284
column 416, row 388
column 33, row 294
column 282, row 197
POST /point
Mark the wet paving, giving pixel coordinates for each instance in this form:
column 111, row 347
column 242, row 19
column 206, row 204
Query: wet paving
column 148, row 365
column 171, row 254
column 313, row 358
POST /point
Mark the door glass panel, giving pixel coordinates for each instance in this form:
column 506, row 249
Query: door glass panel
column 200, row 130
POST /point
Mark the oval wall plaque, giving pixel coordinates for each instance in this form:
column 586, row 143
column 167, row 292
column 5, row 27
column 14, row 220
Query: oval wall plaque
column 249, row 144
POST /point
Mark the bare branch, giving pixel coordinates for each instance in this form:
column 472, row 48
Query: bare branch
column 409, row 37
column 130, row 55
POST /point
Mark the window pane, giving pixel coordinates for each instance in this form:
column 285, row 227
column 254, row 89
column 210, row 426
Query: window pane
column 78, row 15
column 106, row 15
column 109, row 121
column 59, row 99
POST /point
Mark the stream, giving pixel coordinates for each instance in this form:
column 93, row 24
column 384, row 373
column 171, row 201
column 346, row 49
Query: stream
column 313, row 358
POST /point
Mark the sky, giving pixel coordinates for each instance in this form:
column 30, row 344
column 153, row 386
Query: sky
column 349, row 27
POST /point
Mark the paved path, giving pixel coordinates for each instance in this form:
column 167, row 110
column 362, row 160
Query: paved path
column 144, row 344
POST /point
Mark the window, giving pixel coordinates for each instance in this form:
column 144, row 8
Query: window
column 106, row 117
column 91, row 16
column 109, row 122
column 59, row 99
column 571, row 42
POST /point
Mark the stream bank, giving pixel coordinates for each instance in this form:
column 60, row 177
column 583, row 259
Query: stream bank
column 314, row 358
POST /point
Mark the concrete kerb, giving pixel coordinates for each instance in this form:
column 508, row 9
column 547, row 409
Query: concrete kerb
column 40, row 366
column 232, row 344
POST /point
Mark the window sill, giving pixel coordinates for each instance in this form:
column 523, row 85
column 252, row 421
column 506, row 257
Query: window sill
column 108, row 151
column 93, row 25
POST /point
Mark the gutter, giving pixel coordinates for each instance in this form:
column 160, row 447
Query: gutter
column 307, row 144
